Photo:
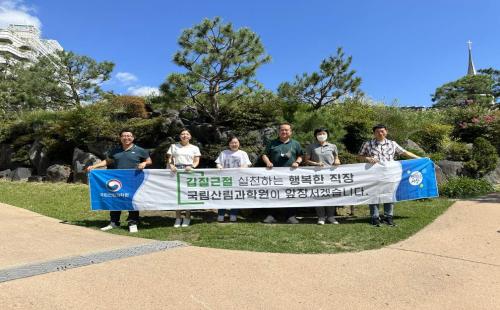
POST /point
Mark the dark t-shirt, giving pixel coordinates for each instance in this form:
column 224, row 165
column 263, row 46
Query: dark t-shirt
column 128, row 159
column 283, row 154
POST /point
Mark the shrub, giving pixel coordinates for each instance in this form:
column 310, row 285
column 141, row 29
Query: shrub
column 484, row 158
column 458, row 151
column 464, row 187
column 133, row 106
column 435, row 157
column 355, row 136
column 433, row 137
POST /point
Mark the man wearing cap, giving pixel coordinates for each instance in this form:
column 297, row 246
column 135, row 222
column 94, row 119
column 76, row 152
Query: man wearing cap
column 380, row 150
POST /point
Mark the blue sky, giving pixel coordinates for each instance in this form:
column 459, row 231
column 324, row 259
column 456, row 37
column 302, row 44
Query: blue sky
column 402, row 50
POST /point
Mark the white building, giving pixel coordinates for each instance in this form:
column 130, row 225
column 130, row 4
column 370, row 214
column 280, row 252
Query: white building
column 23, row 42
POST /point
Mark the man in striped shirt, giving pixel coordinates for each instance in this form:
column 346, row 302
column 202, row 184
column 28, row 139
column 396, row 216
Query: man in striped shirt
column 380, row 150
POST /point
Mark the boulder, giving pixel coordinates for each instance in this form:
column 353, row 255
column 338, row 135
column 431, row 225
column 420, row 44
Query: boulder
column 38, row 158
column 451, row 169
column 409, row 144
column 58, row 173
column 5, row 156
column 493, row 176
column 20, row 174
column 206, row 133
column 5, row 174
column 440, row 177
column 101, row 148
column 36, row 178
column 81, row 160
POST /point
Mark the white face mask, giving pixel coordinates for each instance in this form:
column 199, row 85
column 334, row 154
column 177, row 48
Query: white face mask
column 322, row 138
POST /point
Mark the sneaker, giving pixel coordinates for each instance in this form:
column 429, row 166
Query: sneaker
column 269, row 219
column 132, row 228
column 389, row 221
column 186, row 222
column 220, row 218
column 177, row 223
column 332, row 220
column 321, row 221
column 233, row 218
column 375, row 222
column 292, row 220
column 109, row 227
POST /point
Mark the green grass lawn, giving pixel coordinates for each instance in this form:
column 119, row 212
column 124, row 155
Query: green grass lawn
column 70, row 203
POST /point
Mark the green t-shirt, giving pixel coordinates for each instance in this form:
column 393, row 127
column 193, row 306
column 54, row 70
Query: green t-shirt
column 283, row 154
column 128, row 159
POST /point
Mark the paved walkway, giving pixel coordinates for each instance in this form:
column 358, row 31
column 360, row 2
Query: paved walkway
column 454, row 263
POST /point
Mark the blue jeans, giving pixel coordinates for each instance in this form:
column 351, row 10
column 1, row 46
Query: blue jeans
column 221, row 212
column 388, row 210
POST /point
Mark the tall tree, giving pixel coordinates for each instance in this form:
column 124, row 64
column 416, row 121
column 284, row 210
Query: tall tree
column 218, row 61
column 482, row 90
column 332, row 83
column 54, row 82
column 81, row 75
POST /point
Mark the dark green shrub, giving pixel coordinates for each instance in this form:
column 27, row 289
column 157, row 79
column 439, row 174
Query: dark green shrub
column 357, row 133
column 484, row 158
column 464, row 187
column 348, row 158
column 435, row 157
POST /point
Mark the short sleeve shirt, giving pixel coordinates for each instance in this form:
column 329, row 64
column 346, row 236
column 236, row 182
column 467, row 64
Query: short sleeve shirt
column 326, row 153
column 127, row 159
column 283, row 154
column 183, row 154
column 233, row 159
column 383, row 151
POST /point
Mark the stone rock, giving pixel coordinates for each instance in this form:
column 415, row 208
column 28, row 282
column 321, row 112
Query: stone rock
column 101, row 148
column 81, row 160
column 36, row 178
column 409, row 144
column 440, row 177
column 451, row 169
column 20, row 174
column 268, row 134
column 5, row 174
column 5, row 156
column 38, row 158
column 493, row 176
column 58, row 173
column 206, row 133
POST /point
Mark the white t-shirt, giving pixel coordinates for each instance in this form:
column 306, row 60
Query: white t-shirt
column 233, row 159
column 183, row 154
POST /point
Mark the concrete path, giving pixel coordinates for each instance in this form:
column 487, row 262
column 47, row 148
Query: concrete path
column 454, row 263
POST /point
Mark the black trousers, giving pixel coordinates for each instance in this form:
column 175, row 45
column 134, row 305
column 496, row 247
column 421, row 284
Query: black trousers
column 133, row 217
column 285, row 212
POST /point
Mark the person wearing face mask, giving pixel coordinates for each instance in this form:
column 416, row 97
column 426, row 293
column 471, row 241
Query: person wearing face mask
column 323, row 154
column 232, row 158
column 378, row 151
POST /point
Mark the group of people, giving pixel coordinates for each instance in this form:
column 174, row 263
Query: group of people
column 281, row 152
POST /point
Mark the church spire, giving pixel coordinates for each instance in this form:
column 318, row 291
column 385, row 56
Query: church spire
column 471, row 70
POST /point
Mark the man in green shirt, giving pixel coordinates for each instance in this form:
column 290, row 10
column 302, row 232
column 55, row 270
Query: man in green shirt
column 283, row 152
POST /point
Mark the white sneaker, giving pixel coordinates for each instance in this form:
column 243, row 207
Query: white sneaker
column 332, row 220
column 177, row 223
column 232, row 218
column 185, row 222
column 133, row 228
column 269, row 219
column 220, row 218
column 109, row 227
column 321, row 222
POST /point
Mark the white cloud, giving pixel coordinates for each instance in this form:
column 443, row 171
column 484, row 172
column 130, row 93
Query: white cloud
column 143, row 91
column 17, row 12
column 126, row 78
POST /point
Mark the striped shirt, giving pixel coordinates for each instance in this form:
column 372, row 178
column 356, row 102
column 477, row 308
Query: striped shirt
column 383, row 151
